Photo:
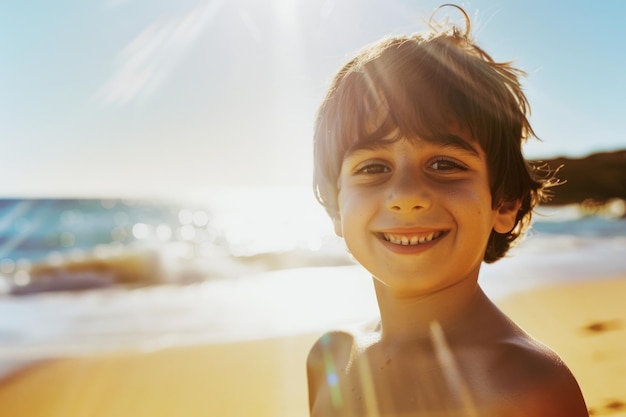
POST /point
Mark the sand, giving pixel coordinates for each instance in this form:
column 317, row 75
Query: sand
column 259, row 378
column 584, row 322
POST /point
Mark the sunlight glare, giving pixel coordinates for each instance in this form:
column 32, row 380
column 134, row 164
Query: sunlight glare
column 185, row 216
column 21, row 278
column 150, row 58
column 200, row 218
column 140, row 231
column 163, row 232
column 187, row 232
column 276, row 222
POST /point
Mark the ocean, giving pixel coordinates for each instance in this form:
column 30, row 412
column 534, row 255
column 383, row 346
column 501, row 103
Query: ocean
column 232, row 265
column 217, row 230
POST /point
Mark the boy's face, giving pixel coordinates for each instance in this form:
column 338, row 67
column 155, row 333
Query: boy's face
column 417, row 214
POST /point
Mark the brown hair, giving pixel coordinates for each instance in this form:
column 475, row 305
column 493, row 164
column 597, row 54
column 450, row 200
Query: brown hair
column 419, row 86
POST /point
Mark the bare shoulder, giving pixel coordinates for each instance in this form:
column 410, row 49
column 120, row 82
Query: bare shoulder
column 339, row 344
column 329, row 361
column 328, row 356
column 336, row 344
column 539, row 381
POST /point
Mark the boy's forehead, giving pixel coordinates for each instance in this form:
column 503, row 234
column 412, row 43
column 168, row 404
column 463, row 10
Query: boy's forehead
column 456, row 139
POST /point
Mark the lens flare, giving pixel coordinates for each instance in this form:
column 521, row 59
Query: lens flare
column 331, row 373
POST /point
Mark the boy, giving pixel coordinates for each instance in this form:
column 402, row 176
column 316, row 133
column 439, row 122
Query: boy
column 418, row 162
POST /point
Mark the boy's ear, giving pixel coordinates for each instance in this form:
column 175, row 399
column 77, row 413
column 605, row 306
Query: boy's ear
column 506, row 216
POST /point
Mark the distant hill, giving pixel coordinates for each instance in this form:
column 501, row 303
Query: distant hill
column 598, row 177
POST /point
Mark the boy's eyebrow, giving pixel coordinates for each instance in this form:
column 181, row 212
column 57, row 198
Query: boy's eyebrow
column 455, row 141
column 370, row 145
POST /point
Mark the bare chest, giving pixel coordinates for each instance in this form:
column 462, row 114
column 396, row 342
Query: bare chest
column 416, row 383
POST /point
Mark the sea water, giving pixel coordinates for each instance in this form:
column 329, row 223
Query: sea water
column 301, row 280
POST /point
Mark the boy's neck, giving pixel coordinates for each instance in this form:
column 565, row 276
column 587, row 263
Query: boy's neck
column 407, row 318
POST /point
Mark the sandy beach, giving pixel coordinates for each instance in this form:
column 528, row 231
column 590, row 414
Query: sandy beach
column 585, row 322
column 259, row 378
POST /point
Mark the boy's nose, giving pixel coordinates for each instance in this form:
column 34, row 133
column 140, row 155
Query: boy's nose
column 408, row 194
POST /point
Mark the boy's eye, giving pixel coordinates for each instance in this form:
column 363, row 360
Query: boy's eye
column 372, row 168
column 443, row 164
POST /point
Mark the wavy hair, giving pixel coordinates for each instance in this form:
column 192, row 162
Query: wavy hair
column 418, row 86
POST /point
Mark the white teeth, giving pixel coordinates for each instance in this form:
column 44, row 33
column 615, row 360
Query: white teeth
column 410, row 240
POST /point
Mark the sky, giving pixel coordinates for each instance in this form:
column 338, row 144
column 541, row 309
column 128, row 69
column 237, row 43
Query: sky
column 169, row 98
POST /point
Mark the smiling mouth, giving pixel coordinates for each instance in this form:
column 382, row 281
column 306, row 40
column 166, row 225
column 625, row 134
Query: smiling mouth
column 411, row 240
